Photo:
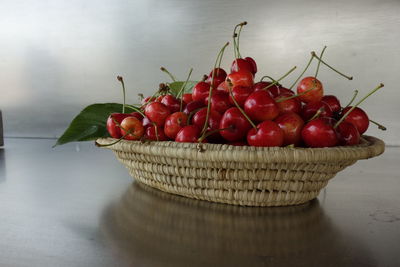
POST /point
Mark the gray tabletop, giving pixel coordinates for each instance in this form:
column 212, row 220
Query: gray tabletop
column 76, row 205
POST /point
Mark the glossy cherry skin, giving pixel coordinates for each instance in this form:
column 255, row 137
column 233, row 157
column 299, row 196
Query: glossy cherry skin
column 194, row 105
column 253, row 64
column 214, row 119
column 319, row 133
column 136, row 115
column 333, row 102
column 133, row 125
column 174, row 123
column 276, row 91
column 348, row 134
column 219, row 77
column 242, row 64
column 152, row 134
column 289, row 105
column 219, row 101
column 223, row 87
column 313, row 84
column 112, row 124
column 310, row 109
column 187, row 98
column 358, row 117
column 188, row 134
column 240, row 93
column 267, row 134
column 146, row 122
column 235, row 123
column 260, row 106
column 241, row 77
column 291, row 125
column 261, row 85
column 172, row 103
column 157, row 113
column 200, row 91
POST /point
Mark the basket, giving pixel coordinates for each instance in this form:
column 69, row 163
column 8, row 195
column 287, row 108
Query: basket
column 239, row 175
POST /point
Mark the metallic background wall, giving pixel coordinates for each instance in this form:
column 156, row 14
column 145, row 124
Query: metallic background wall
column 58, row 56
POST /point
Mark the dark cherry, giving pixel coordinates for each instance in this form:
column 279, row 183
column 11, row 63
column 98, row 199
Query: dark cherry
column 219, row 101
column 172, row 103
column 333, row 102
column 348, row 134
column 174, row 123
column 214, row 119
column 188, row 134
column 155, row 135
column 192, row 106
column 240, row 93
column 358, row 117
column 319, row 133
column 235, row 124
column 311, row 108
column 291, row 125
column 187, row 98
column 137, row 115
column 276, row 91
column 260, row 106
column 113, row 127
column 200, row 91
column 267, row 134
column 252, row 63
column 219, row 77
column 316, row 90
column 157, row 113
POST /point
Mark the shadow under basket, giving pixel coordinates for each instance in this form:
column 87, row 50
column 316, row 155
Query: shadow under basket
column 239, row 175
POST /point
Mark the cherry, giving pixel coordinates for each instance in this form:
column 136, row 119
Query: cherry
column 241, row 77
column 348, row 134
column 310, row 109
column 219, row 101
column 146, row 122
column 172, row 103
column 214, row 119
column 235, row 123
column 319, row 133
column 314, row 88
column 192, row 106
column 188, row 134
column 291, row 125
column 137, row 115
column 288, row 105
column 155, row 133
column 261, row 85
column 276, row 91
column 174, row 123
column 132, row 128
column 157, row 113
column 240, row 93
column 219, row 77
column 114, row 123
column 200, row 91
column 260, row 106
column 267, row 134
column 147, row 100
column 252, row 63
column 187, row 98
column 242, row 64
column 333, row 102
column 223, row 87
column 358, row 117
column 238, row 143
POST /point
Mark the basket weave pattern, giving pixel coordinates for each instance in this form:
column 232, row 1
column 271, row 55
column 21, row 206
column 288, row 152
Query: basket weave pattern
column 245, row 175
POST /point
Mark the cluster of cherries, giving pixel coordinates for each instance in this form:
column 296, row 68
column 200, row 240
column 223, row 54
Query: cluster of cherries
column 234, row 109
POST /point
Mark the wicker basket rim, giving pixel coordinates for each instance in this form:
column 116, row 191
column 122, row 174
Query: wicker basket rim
column 368, row 148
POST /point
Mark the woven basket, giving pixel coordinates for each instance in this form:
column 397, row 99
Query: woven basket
column 239, row 175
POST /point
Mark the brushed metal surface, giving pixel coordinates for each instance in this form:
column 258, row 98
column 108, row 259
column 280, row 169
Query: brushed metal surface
column 58, row 56
column 76, row 206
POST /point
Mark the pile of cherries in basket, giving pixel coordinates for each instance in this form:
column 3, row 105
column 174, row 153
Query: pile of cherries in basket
column 234, row 109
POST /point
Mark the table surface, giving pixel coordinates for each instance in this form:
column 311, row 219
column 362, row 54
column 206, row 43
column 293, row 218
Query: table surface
column 76, row 205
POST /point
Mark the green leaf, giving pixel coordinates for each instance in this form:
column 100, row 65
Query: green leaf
column 90, row 123
column 176, row 87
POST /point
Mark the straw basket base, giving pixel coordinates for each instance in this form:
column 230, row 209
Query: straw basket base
column 247, row 176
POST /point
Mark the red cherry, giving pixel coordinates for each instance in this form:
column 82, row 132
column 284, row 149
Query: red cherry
column 316, row 90
column 260, row 106
column 289, row 105
column 137, row 115
column 276, row 91
column 241, row 77
column 174, row 123
column 267, row 134
column 133, row 125
column 219, row 101
column 333, row 102
column 348, row 134
column 223, row 87
column 157, row 113
column 319, row 133
column 192, row 106
column 310, row 109
column 219, row 77
column 240, row 93
column 242, row 64
column 146, row 122
column 147, row 100
column 252, row 63
column 358, row 117
column 261, row 85
column 214, row 119
column 152, row 134
column 172, row 103
column 159, row 98
column 235, row 123
column 291, row 125
column 188, row 134
column 200, row 91
column 187, row 98
column 112, row 124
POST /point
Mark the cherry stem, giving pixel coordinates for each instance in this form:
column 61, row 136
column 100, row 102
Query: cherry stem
column 191, row 115
column 201, row 139
column 281, row 78
column 180, row 93
column 138, row 110
column 294, row 96
column 301, row 75
column 238, row 38
column 354, row 97
column 313, row 54
column 319, row 62
column 241, row 110
column 154, row 96
column 357, row 104
column 235, row 35
column 121, row 80
column 163, row 69
column 156, row 130
column 269, row 77
column 220, row 54
column 317, row 114
column 380, row 126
